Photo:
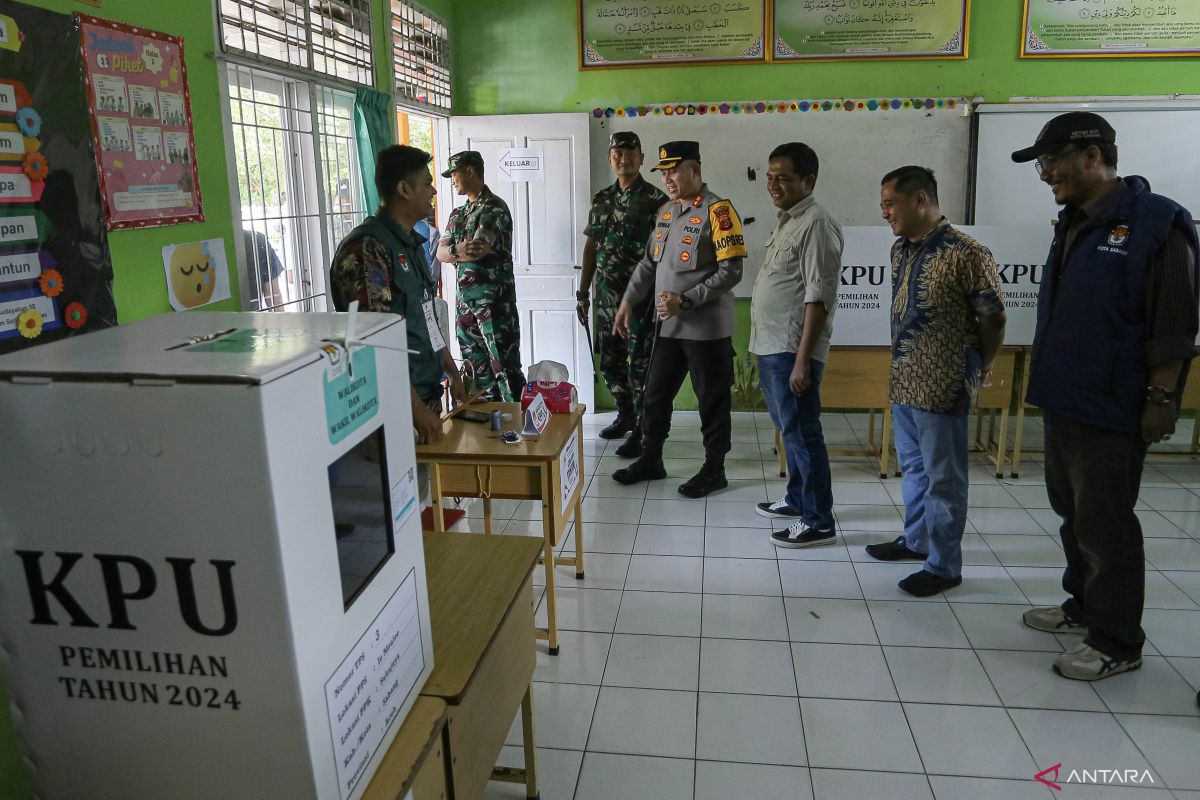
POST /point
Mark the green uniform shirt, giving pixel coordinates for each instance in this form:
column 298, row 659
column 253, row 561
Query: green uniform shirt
column 487, row 217
column 383, row 267
column 620, row 223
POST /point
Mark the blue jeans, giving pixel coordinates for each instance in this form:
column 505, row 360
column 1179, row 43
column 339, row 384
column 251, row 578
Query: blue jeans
column 932, row 449
column 798, row 417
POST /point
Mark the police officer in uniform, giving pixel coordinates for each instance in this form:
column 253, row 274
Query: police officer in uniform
column 693, row 260
column 478, row 239
column 619, row 224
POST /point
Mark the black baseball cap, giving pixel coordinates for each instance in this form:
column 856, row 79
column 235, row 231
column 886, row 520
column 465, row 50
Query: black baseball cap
column 1081, row 128
column 671, row 153
column 466, row 158
column 625, row 139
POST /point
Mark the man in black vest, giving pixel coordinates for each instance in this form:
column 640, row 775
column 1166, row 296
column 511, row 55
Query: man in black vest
column 1118, row 313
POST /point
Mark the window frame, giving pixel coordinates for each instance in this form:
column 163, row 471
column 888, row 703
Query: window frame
column 426, row 108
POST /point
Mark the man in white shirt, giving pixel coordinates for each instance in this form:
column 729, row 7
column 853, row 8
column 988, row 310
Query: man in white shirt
column 791, row 321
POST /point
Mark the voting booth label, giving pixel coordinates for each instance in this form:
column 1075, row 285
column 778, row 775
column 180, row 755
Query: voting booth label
column 568, row 469
column 352, row 397
column 537, row 417
column 404, row 498
column 366, row 692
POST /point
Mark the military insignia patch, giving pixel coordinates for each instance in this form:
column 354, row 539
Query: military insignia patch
column 666, row 215
column 695, row 220
column 1119, row 235
column 685, row 256
column 687, row 239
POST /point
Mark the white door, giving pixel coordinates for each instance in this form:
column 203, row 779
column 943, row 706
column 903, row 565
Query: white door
column 549, row 214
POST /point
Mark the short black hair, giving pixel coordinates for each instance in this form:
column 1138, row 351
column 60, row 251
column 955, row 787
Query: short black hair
column 803, row 158
column 1108, row 153
column 398, row 163
column 912, row 179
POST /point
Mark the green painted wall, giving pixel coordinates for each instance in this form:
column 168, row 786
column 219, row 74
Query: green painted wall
column 524, row 59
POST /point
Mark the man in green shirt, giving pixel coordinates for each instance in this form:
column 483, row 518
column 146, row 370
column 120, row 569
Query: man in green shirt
column 381, row 263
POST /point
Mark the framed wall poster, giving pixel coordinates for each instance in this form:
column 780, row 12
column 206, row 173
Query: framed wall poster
column 638, row 33
column 808, row 30
column 1108, row 28
column 145, row 146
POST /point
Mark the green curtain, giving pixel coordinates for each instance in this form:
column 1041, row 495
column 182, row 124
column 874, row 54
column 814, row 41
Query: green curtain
column 373, row 128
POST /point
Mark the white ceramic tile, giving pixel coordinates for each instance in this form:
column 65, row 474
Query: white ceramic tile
column 852, row 784
column 1041, row 585
column 975, row 552
column 557, row 772
column 722, row 542
column 983, row 496
column 601, row 571
column 605, row 777
column 1155, row 688
column 969, row 740
column 886, row 519
column 644, row 722
column 1162, row 592
column 1186, row 521
column 602, row 537
column 1171, row 745
column 580, row 658
column 859, row 493
column 743, row 491
column 844, row 671
column 1030, row 496
column 610, row 488
column 660, row 613
column 746, row 667
column 1026, row 680
column 830, row 579
column 1173, row 632
column 950, row 787
column 728, row 616
column 562, row 715
column 916, row 624
column 742, row 470
column 1178, row 554
column 751, row 576
column 582, row 609
column 1156, row 526
column 653, row 662
column 1037, row 550
column 719, row 513
column 983, row 584
column 827, row 620
column 758, row 729
column 880, row 579
column 1189, row 582
column 1078, row 739
column 1189, row 668
column 611, row 509
column 722, row 781
column 672, row 512
column 1003, row 521
column 833, row 551
column 665, row 574
column 669, row 540
column 1167, row 499
column 940, row 675
column 848, row 734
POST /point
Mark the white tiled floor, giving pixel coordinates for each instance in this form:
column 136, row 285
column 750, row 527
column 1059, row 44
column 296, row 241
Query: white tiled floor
column 699, row 662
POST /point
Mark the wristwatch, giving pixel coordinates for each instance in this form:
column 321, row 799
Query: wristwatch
column 582, row 295
column 454, row 249
column 685, row 302
column 1160, row 395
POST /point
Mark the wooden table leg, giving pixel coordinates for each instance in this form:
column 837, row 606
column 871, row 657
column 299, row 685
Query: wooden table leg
column 885, row 445
column 1002, row 443
column 530, row 745
column 551, row 631
column 435, row 490
column 579, row 538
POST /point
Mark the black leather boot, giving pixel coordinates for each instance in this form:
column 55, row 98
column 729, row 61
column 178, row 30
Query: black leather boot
column 632, row 447
column 625, row 422
column 710, row 478
column 647, row 468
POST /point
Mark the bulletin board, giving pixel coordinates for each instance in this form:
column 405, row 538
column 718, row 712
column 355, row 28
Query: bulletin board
column 137, row 94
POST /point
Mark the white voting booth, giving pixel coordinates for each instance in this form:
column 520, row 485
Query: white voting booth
column 212, row 581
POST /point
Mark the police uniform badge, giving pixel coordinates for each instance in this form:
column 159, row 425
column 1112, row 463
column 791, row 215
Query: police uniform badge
column 687, row 239
column 1119, row 235
column 662, row 153
column 695, row 220
column 666, row 215
column 685, row 256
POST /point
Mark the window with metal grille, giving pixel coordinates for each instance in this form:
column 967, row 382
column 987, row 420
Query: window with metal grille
column 420, row 57
column 299, row 187
column 326, row 37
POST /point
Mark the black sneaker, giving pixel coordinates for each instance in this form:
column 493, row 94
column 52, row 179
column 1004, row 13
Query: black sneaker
column 926, row 584
column 801, row 534
column 709, row 479
column 623, row 424
column 778, row 510
column 646, row 468
column 895, row 550
column 631, row 447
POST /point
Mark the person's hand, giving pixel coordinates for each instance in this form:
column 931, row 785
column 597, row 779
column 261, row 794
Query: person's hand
column 621, row 322
column 474, row 249
column 668, row 305
column 1158, row 422
column 458, row 392
column 801, row 377
column 582, row 306
column 986, row 376
column 427, row 423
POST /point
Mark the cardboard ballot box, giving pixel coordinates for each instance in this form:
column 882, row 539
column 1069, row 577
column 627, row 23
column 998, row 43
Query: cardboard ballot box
column 212, row 581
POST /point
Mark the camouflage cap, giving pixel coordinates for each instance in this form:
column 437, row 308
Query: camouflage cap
column 466, row 158
column 624, row 139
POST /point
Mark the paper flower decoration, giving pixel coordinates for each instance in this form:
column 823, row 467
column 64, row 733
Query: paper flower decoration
column 51, row 283
column 22, row 95
column 35, row 166
column 75, row 315
column 30, row 122
column 29, row 323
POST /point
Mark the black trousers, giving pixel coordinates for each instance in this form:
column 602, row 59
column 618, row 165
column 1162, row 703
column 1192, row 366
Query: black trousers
column 710, row 365
column 1093, row 477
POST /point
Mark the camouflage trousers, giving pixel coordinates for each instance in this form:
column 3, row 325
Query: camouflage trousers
column 623, row 362
column 489, row 333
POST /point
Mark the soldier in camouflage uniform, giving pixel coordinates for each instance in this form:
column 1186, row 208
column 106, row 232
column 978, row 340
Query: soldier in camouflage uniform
column 618, row 228
column 478, row 239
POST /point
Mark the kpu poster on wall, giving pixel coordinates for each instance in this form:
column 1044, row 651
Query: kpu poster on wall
column 55, row 267
column 142, row 123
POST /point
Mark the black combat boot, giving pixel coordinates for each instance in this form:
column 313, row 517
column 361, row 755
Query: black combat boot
column 625, row 422
column 709, row 479
column 632, row 447
column 647, row 468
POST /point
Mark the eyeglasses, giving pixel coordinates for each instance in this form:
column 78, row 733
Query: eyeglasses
column 1049, row 161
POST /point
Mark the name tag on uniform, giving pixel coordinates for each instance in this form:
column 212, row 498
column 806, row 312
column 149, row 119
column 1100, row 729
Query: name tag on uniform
column 431, row 323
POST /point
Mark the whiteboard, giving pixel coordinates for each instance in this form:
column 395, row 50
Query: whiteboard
column 1156, row 140
column 855, row 150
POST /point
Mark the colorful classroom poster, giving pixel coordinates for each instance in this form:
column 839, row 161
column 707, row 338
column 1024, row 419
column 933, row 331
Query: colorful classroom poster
column 647, row 33
column 142, row 124
column 870, row 29
column 1090, row 28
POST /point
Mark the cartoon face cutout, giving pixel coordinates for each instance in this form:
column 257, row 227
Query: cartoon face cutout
column 193, row 275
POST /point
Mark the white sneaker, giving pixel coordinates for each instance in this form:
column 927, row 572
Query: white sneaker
column 1086, row 663
column 777, row 510
column 1051, row 619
